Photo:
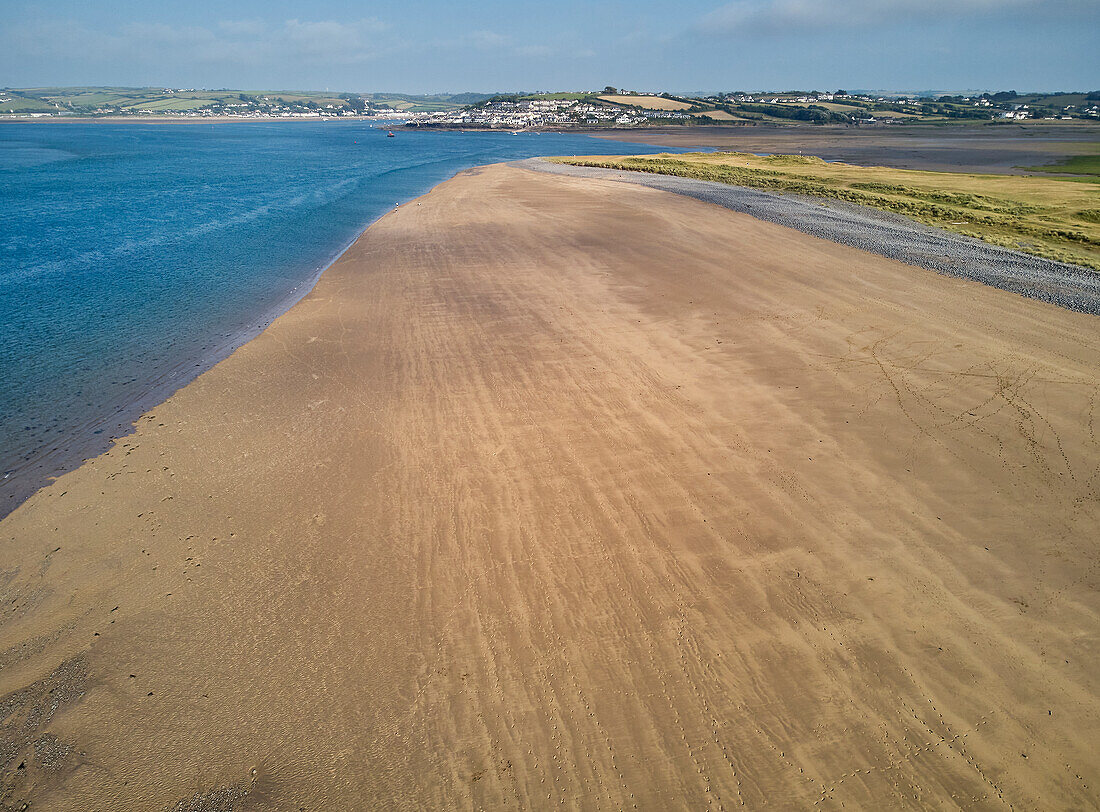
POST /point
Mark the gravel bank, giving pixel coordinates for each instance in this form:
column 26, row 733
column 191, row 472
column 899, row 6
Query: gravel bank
column 884, row 233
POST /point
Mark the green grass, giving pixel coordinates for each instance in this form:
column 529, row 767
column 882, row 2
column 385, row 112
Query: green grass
column 1056, row 100
column 1077, row 165
column 18, row 104
column 94, row 99
column 150, row 100
column 440, row 102
column 171, row 105
column 558, row 96
column 1042, row 216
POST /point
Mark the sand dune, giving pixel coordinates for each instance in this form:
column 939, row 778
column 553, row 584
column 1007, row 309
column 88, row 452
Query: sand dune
column 568, row 493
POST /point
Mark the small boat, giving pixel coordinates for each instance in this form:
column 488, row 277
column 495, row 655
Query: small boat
column 390, row 134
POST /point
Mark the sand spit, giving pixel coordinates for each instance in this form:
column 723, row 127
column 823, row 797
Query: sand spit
column 880, row 232
column 567, row 493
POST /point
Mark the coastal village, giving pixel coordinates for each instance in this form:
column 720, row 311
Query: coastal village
column 615, row 109
column 547, row 112
column 609, row 108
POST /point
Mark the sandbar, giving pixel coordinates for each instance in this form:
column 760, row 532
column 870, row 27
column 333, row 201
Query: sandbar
column 561, row 492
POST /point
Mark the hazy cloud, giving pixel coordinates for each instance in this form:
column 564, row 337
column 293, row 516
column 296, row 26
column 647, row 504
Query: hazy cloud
column 503, row 45
column 229, row 41
column 486, row 40
column 330, row 38
column 162, row 33
column 243, row 28
column 535, row 50
column 433, row 45
column 796, row 16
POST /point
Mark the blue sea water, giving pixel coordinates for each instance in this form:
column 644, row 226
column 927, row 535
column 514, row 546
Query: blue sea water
column 132, row 255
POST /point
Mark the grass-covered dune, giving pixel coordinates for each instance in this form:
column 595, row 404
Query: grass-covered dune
column 1056, row 218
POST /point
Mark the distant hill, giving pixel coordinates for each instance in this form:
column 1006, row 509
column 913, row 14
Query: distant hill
column 114, row 101
column 427, row 103
column 783, row 108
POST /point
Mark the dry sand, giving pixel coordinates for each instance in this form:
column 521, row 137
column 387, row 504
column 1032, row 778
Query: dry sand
column 563, row 493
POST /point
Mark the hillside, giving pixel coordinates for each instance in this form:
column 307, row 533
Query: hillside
column 609, row 107
column 125, row 101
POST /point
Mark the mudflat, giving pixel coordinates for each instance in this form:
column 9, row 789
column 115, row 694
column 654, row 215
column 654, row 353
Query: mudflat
column 561, row 492
column 1000, row 148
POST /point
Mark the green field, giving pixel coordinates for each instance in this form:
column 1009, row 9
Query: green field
column 18, row 104
column 433, row 103
column 90, row 101
column 1048, row 217
column 178, row 105
column 1088, row 165
column 1057, row 99
column 558, row 96
column 786, row 111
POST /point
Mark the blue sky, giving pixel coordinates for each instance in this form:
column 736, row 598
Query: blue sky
column 439, row 46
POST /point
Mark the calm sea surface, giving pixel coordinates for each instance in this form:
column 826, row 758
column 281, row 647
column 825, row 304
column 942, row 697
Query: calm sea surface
column 134, row 255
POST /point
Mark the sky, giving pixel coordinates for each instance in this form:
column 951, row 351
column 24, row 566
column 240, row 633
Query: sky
column 431, row 46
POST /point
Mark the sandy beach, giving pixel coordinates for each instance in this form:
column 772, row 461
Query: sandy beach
column 566, row 493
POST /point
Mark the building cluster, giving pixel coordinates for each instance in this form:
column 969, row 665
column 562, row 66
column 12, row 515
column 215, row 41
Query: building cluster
column 280, row 111
column 239, row 105
column 814, row 98
column 746, row 98
column 527, row 113
column 245, row 111
column 562, row 111
column 998, row 108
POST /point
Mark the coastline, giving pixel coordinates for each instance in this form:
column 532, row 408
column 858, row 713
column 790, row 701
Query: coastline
column 97, row 436
column 198, row 119
column 888, row 234
column 556, row 488
column 28, row 465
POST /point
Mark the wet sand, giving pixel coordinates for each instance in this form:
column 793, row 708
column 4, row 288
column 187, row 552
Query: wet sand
column 1002, row 148
column 561, row 492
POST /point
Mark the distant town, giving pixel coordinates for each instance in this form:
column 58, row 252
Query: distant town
column 607, row 108
column 613, row 108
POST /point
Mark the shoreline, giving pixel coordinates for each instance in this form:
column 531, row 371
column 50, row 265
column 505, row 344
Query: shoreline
column 26, row 469
column 96, row 437
column 718, row 128
column 27, row 477
column 887, row 234
column 555, row 489
column 197, row 119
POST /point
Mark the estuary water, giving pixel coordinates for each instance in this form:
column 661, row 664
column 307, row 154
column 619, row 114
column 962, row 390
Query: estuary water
column 135, row 255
